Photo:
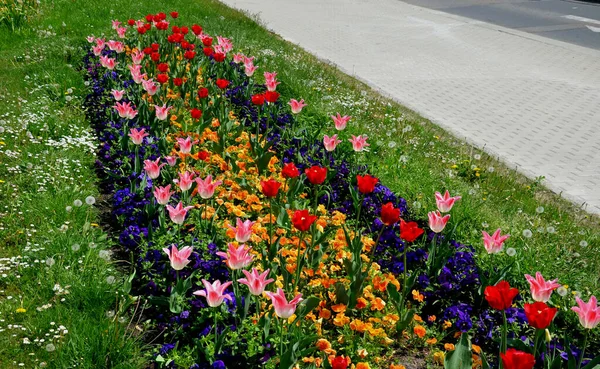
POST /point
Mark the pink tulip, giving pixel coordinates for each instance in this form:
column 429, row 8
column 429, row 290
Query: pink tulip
column 296, row 105
column 445, row 203
column 125, row 110
column 256, row 282
column 331, row 142
column 153, row 168
column 121, row 31
column 115, row 24
column 493, row 244
column 589, row 314
column 179, row 258
column 150, row 86
column 359, row 143
column 238, row 58
column 272, row 85
column 185, row 181
column 116, row 46
column 162, row 112
column 206, row 187
column 90, row 39
column 236, row 257
column 118, row 94
column 136, row 73
column 108, row 63
column 163, row 194
column 137, row 56
column 283, row 309
column 214, row 293
column 340, row 122
column 268, row 75
column 185, row 145
column 100, row 42
column 137, row 136
column 243, row 230
column 250, row 69
column 225, row 43
column 171, row 160
column 97, row 50
column 437, row 222
column 540, row 289
column 178, row 213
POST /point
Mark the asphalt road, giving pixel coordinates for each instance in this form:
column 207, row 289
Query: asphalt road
column 565, row 20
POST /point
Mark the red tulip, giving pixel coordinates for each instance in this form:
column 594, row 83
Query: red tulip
column 410, row 231
column 162, row 67
column 258, row 99
column 196, row 29
column 271, row 96
column 190, row 55
column 270, row 188
column 196, row 113
column 539, row 315
column 290, row 171
column 162, row 78
column 339, row 362
column 515, row 359
column 366, row 183
column 316, row 174
column 208, row 51
column 222, row 83
column 203, row 92
column 500, row 296
column 389, row 214
column 302, row 220
column 174, row 15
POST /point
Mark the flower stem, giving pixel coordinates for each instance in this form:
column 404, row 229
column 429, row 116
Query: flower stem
column 585, row 340
column 281, row 338
column 299, row 262
column 216, row 334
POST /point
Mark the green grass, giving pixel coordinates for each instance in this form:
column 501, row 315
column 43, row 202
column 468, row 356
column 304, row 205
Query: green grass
column 413, row 157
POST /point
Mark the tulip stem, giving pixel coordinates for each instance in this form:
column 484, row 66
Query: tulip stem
column 299, row 262
column 585, row 340
column 404, row 270
column 270, row 222
column 216, row 334
column 432, row 253
column 281, row 339
column 536, row 341
column 360, row 201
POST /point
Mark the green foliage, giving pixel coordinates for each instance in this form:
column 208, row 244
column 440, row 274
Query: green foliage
column 15, row 14
column 461, row 357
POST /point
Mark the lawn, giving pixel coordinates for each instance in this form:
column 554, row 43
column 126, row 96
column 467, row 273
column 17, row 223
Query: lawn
column 63, row 296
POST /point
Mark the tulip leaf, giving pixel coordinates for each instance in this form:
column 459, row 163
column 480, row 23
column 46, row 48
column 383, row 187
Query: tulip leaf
column 341, row 295
column 307, row 306
column 484, row 362
column 393, row 292
column 405, row 320
column 461, row 357
column 594, row 364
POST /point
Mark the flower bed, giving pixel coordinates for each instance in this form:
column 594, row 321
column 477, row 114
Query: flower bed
column 260, row 239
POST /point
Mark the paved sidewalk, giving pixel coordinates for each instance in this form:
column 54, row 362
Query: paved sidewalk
column 532, row 101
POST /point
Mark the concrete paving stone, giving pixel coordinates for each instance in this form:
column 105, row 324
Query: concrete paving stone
column 538, row 97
